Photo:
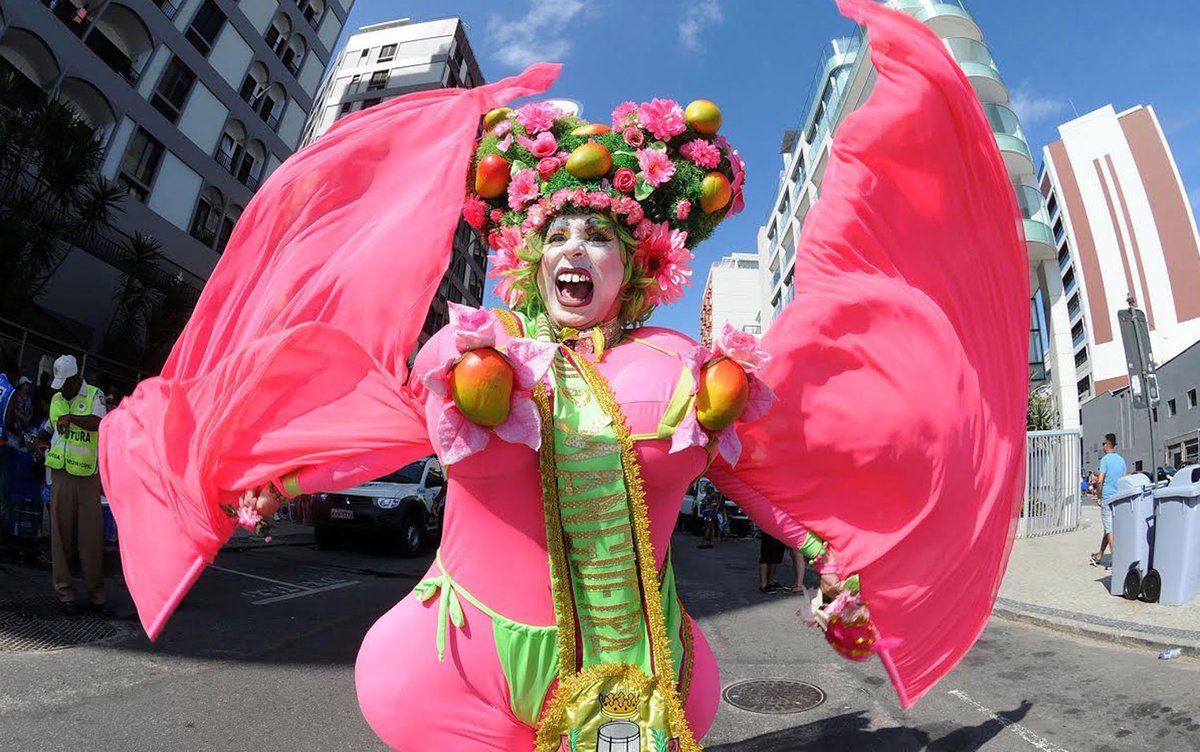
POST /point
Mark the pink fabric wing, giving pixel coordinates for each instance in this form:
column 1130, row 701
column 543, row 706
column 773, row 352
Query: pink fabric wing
column 900, row 367
column 295, row 356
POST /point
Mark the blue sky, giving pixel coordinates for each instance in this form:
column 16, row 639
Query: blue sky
column 757, row 58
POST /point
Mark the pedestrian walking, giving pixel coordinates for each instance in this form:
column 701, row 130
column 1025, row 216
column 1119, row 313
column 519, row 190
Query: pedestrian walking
column 710, row 511
column 1112, row 467
column 770, row 554
column 8, row 397
column 75, row 413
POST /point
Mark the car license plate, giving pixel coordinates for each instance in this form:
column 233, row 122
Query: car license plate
column 341, row 514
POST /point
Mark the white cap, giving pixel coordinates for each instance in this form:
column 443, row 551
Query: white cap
column 64, row 368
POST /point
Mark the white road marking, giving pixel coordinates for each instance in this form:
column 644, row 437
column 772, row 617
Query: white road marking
column 304, row 593
column 1033, row 739
column 293, row 590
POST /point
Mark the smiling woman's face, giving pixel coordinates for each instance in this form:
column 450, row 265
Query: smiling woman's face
column 581, row 271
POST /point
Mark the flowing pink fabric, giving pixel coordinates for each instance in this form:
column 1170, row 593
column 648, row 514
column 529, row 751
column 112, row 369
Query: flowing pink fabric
column 295, row 356
column 900, row 366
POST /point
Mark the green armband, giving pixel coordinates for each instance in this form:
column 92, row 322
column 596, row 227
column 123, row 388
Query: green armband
column 851, row 584
column 812, row 547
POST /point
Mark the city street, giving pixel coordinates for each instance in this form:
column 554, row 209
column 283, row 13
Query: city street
column 261, row 657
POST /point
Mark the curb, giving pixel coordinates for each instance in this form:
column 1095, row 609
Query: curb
column 1113, row 631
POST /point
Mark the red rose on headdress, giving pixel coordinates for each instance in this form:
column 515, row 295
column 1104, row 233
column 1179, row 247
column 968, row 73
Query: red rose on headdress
column 634, row 137
column 547, row 167
column 625, row 180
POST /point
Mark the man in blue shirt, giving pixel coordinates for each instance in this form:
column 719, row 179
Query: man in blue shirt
column 1112, row 467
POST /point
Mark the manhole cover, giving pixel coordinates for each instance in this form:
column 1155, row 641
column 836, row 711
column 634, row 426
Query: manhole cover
column 37, row 625
column 773, row 695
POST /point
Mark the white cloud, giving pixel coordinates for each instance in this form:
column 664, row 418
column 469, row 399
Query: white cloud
column 696, row 18
column 1032, row 107
column 539, row 34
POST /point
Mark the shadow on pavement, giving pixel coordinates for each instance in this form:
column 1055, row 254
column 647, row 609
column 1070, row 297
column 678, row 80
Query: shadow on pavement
column 849, row 732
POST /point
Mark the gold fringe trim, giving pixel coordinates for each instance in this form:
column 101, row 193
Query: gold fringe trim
column 660, row 648
column 689, row 653
column 564, row 608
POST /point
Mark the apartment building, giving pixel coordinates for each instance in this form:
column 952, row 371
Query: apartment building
column 387, row 60
column 195, row 103
column 731, row 294
column 1123, row 228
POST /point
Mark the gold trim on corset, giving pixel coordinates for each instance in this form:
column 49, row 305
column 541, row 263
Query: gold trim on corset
column 660, row 648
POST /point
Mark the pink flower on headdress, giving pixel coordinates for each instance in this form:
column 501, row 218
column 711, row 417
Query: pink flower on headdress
column 454, row 436
column 643, row 229
column 634, row 136
column 503, row 128
column 738, row 202
column 536, row 117
column 625, row 180
column 636, row 214
column 624, row 114
column 545, row 145
column 535, row 217
column 505, row 260
column 701, row 152
column 598, row 200
column 496, row 215
column 656, row 167
column 474, row 211
column 547, row 167
column 683, row 209
column 742, row 347
column 663, row 257
column 662, row 117
column 522, row 189
column 504, row 143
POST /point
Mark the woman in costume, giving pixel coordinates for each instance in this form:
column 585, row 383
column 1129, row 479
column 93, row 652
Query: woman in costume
column 550, row 619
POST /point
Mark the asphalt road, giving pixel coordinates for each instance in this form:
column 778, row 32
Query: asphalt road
column 261, row 657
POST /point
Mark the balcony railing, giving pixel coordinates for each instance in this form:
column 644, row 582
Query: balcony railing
column 75, row 19
column 168, row 7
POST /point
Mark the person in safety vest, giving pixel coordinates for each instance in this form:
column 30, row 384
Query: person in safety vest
column 73, row 432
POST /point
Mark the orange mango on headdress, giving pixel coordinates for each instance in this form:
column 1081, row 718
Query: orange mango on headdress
column 703, row 116
column 590, row 161
column 495, row 116
column 591, row 129
column 491, row 176
column 722, row 395
column 482, row 386
column 715, row 192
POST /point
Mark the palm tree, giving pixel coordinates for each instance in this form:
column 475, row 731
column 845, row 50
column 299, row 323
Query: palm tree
column 51, row 192
column 1041, row 414
column 137, row 298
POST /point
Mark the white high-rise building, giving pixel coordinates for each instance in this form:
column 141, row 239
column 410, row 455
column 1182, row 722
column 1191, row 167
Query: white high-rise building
column 387, row 60
column 731, row 294
column 1124, row 227
column 844, row 79
column 195, row 103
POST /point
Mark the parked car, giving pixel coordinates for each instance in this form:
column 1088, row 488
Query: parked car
column 405, row 507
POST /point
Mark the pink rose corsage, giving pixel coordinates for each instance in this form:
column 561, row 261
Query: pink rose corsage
column 746, row 350
column 456, row 437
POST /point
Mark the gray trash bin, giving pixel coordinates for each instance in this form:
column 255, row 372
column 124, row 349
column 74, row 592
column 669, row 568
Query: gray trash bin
column 1177, row 539
column 1133, row 534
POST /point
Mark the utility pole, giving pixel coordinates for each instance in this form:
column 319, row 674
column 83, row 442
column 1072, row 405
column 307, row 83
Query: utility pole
column 1139, row 362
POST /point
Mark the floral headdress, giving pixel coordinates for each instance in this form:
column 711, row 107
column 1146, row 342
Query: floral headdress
column 660, row 172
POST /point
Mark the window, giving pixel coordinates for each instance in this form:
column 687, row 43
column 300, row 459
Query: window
column 1081, row 358
column 206, row 24
column 226, row 230
column 140, row 163
column 387, row 53
column 378, row 80
column 362, row 57
column 249, row 87
column 1068, row 280
column 1154, row 414
column 345, row 109
column 1170, row 408
column 1191, row 395
column 1084, row 386
column 370, row 102
column 352, row 88
column 204, row 221
column 173, row 89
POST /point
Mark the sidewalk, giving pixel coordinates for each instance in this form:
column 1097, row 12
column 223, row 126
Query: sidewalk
column 1050, row 583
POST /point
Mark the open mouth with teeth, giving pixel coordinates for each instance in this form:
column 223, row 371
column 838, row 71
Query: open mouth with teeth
column 574, row 287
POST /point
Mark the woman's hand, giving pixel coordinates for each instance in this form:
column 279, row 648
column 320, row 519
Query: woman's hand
column 831, row 585
column 266, row 499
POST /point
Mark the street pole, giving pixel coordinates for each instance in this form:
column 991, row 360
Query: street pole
column 1143, row 381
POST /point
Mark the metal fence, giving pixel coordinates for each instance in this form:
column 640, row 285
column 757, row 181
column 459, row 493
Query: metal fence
column 1052, row 497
